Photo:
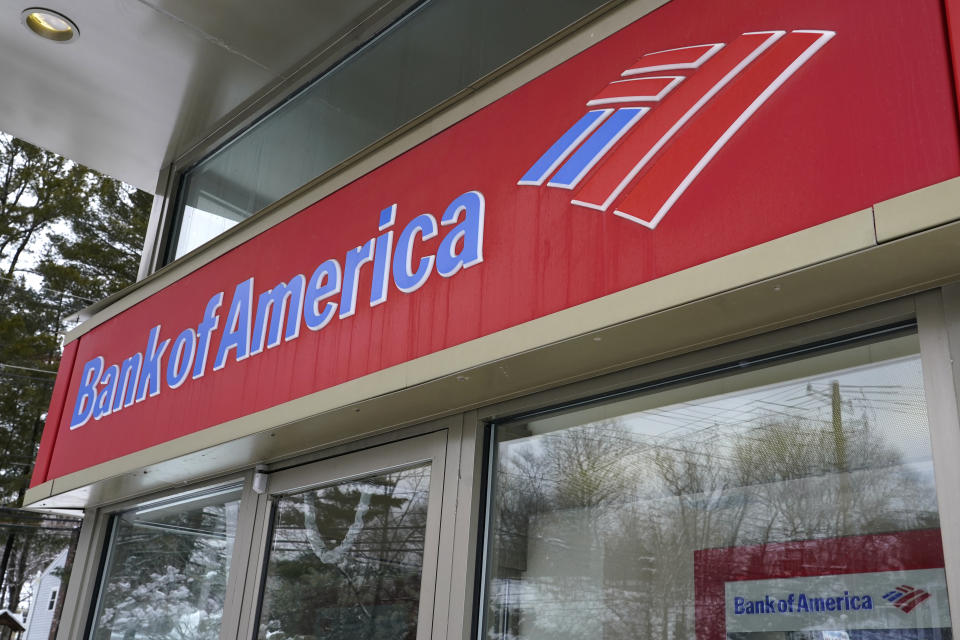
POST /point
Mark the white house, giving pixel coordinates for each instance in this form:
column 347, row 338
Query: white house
column 46, row 588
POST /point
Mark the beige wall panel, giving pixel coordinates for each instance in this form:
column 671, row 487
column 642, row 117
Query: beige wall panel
column 918, row 210
column 939, row 318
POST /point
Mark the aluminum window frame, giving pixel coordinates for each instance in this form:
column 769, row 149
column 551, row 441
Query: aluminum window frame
column 936, row 316
column 165, row 214
column 83, row 589
column 452, row 597
column 430, row 447
column 444, row 436
column 938, row 320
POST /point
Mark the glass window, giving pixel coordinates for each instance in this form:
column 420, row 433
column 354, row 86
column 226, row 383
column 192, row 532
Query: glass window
column 166, row 569
column 425, row 58
column 790, row 501
column 346, row 560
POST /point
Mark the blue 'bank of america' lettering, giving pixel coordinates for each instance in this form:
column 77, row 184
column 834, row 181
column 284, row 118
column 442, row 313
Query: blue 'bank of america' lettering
column 254, row 324
column 801, row 603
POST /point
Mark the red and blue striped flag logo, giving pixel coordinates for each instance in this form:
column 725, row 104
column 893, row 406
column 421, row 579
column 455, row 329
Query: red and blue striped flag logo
column 905, row 597
column 648, row 135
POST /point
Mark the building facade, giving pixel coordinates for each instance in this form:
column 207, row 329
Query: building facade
column 621, row 319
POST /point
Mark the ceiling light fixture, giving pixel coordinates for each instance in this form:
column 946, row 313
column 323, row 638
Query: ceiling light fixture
column 50, row 24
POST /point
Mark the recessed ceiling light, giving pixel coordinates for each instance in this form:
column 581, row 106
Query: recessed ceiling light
column 50, row 24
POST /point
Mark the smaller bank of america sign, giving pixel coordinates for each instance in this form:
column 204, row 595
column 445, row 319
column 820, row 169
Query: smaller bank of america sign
column 648, row 135
column 902, row 599
column 905, row 597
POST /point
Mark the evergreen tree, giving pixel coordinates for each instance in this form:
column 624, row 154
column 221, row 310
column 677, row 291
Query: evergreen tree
column 101, row 253
column 68, row 237
column 37, row 190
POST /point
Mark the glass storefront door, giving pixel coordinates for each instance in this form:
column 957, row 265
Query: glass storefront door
column 350, row 546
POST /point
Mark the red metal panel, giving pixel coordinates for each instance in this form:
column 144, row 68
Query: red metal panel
column 952, row 8
column 832, row 139
column 58, row 400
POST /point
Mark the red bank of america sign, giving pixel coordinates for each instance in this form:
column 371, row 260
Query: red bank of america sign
column 741, row 135
column 666, row 128
column 693, row 121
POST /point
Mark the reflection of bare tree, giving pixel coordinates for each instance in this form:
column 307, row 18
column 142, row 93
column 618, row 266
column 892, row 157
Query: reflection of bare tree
column 345, row 560
column 597, row 525
column 804, row 488
column 584, row 466
column 337, row 554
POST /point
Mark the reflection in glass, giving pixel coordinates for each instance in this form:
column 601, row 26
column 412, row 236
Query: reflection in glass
column 346, row 560
column 434, row 52
column 664, row 515
column 166, row 569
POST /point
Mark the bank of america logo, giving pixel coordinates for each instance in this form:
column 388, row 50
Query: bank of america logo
column 906, row 597
column 649, row 134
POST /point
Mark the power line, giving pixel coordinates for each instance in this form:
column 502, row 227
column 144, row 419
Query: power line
column 14, row 366
column 46, row 288
column 20, row 376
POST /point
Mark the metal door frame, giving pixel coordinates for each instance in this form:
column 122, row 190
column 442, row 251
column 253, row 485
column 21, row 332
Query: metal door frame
column 430, row 448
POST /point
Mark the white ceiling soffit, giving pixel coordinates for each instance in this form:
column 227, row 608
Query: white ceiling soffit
column 147, row 79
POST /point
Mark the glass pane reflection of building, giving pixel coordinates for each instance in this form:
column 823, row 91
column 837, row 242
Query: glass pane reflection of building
column 794, row 501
